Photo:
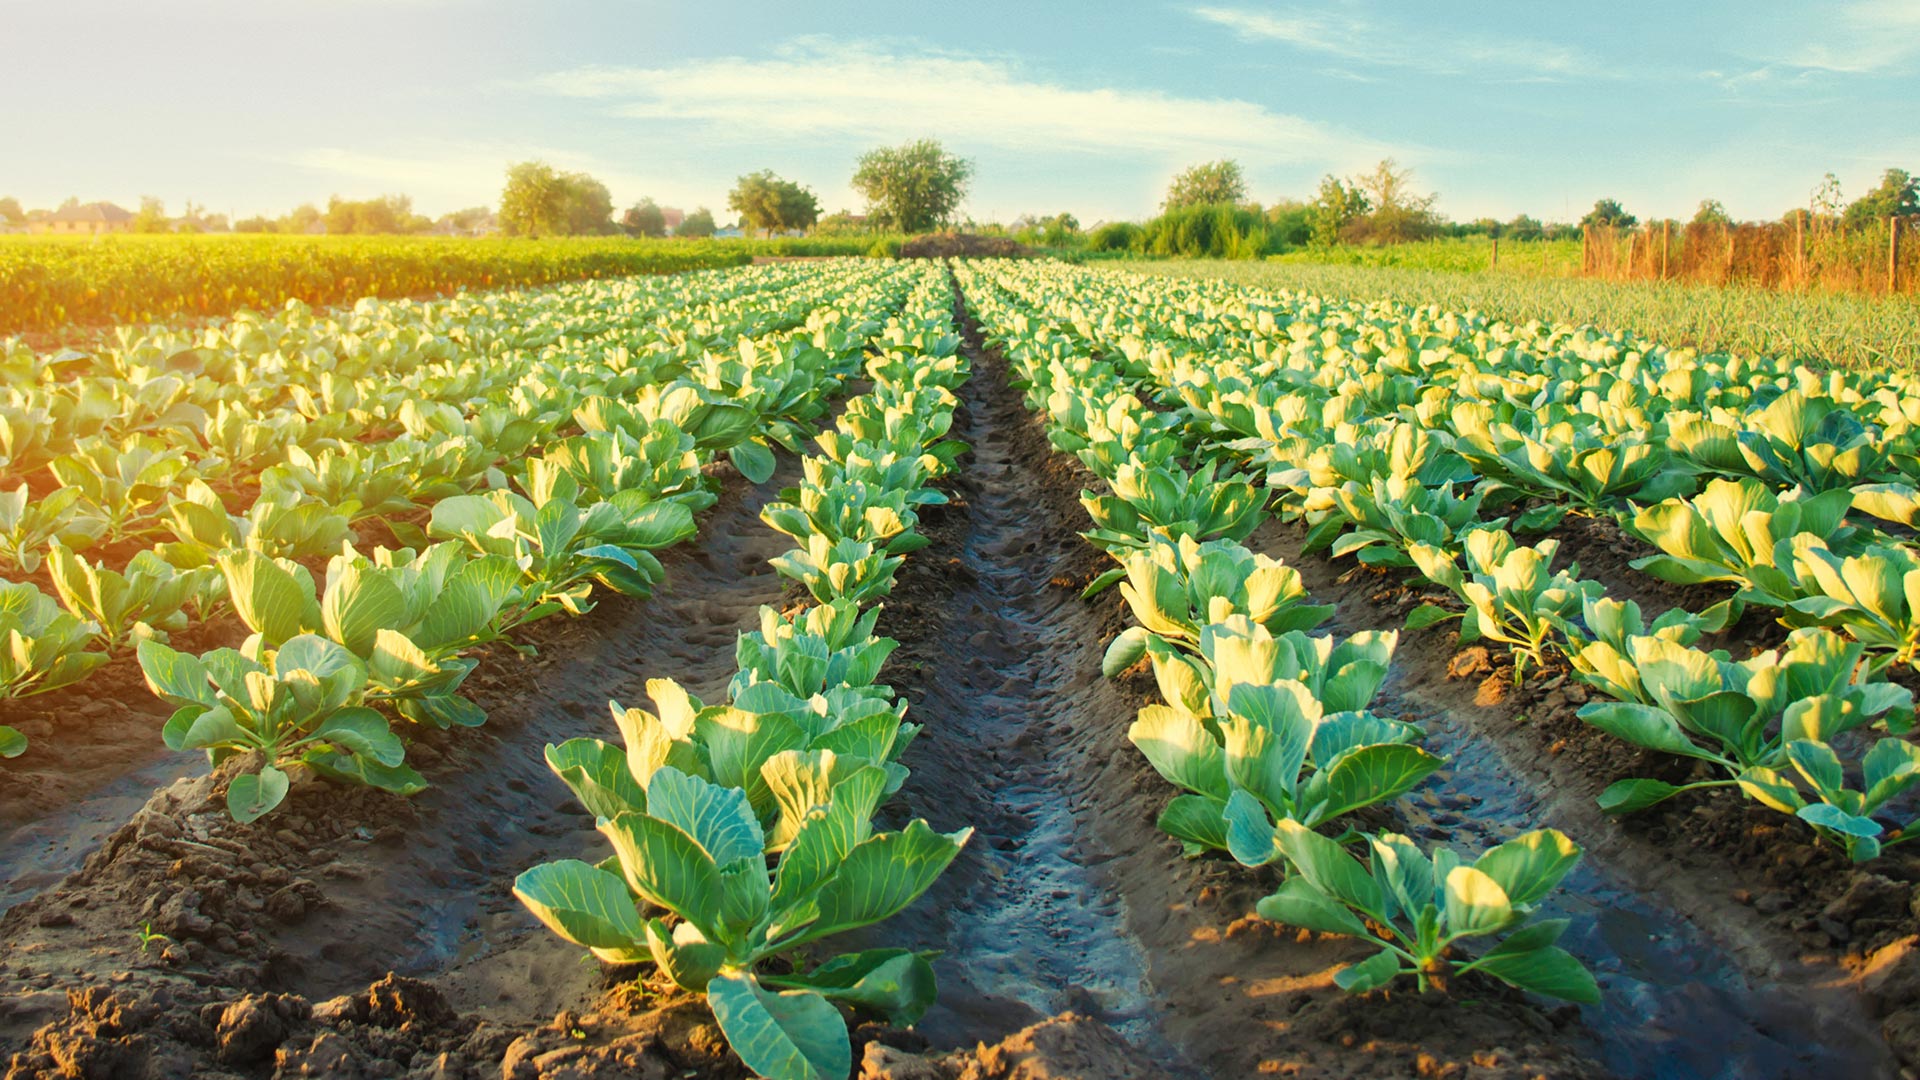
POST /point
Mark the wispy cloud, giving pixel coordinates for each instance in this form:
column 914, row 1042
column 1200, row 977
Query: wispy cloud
column 1865, row 37
column 1361, row 40
column 815, row 88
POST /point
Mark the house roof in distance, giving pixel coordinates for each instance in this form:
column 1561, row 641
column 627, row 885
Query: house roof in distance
column 104, row 212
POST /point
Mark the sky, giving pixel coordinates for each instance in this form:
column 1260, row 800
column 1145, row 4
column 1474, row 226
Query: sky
column 1501, row 107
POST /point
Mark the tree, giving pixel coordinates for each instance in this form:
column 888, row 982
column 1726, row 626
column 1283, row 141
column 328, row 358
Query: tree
column 1524, row 227
column 1712, row 213
column 541, row 201
column 1208, row 184
column 386, row 215
column 644, row 218
column 767, row 202
column 1059, row 230
column 1290, row 222
column 1333, row 208
column 152, row 217
column 914, row 187
column 697, row 225
column 301, row 220
column 1399, row 213
column 258, row 223
column 1897, row 196
column 469, row 222
column 1608, row 214
column 10, row 211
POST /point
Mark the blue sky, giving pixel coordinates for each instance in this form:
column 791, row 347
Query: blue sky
column 1502, row 107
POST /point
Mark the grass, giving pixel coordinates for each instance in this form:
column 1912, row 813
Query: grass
column 1841, row 329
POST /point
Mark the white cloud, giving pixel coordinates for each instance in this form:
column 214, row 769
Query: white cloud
column 1869, row 36
column 1358, row 39
column 814, row 88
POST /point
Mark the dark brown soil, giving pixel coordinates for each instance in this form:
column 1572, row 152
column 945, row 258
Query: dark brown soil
column 964, row 246
column 356, row 934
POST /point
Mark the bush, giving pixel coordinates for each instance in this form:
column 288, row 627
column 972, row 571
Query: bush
column 1219, row 231
column 964, row 246
column 1116, row 236
column 887, row 247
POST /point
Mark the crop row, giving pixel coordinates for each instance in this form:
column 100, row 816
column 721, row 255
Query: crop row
column 521, row 451
column 49, row 285
column 1783, row 483
column 742, row 830
column 1265, row 727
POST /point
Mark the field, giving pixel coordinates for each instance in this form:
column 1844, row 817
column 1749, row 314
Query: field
column 1189, row 672
column 1819, row 328
column 50, row 285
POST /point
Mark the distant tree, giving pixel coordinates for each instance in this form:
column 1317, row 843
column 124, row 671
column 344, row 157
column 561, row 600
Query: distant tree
column 386, row 215
column 301, row 219
column 697, row 225
column 152, row 217
column 1483, row 226
column 769, row 203
column 1712, row 213
column 1335, row 206
column 644, row 218
column 589, row 205
column 1059, row 230
column 1560, row 230
column 1897, row 196
column 540, row 201
column 10, row 211
column 1290, row 223
column 534, row 202
column 259, row 223
column 1399, row 213
column 467, row 222
column 914, row 187
column 1825, row 201
column 1608, row 214
column 1523, row 227
column 1204, row 185
column 843, row 223
column 72, row 203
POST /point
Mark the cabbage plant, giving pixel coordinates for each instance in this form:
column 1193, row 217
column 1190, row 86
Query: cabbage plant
column 840, row 570
column 698, row 854
column 1510, row 594
column 1418, row 907
column 46, row 648
column 1167, row 500
column 150, row 599
column 1743, row 716
column 300, row 703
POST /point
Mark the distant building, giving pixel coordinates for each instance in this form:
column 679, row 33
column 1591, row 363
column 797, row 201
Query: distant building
column 674, row 216
column 89, row 219
column 730, row 232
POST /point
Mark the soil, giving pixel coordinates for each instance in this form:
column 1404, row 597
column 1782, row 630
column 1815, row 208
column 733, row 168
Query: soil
column 964, row 246
column 357, row 934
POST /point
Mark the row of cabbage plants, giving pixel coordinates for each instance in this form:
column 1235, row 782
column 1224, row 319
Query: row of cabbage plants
column 742, row 830
column 566, row 480
column 1264, row 726
column 1420, row 446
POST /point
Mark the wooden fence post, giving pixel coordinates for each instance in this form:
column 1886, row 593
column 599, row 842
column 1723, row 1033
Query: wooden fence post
column 1800, row 248
column 1585, row 265
column 1493, row 263
column 1666, row 239
column 1893, row 253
